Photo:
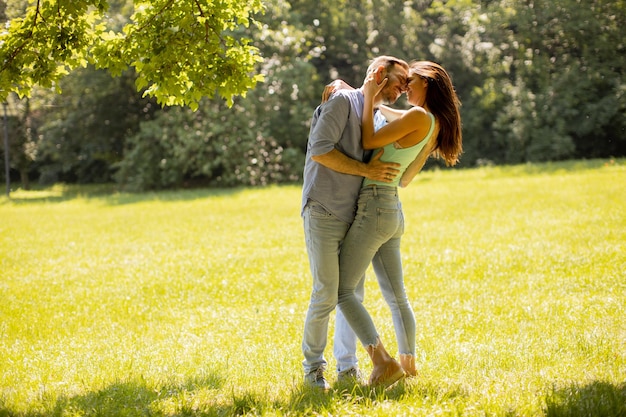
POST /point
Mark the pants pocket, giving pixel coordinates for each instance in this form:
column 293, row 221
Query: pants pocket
column 387, row 220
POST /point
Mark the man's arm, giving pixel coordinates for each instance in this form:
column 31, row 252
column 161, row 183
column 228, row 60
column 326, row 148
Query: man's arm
column 376, row 169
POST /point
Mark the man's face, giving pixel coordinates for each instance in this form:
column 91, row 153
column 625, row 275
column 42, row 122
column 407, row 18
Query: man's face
column 396, row 84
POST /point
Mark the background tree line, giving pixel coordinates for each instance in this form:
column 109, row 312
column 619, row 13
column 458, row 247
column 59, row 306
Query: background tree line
column 539, row 81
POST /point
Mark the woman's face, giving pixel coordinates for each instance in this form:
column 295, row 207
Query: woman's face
column 416, row 89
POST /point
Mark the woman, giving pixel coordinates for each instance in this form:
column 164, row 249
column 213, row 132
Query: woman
column 432, row 126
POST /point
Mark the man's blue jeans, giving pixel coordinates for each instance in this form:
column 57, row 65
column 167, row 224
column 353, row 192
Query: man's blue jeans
column 375, row 237
column 324, row 234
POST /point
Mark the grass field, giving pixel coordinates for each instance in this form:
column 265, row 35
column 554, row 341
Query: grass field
column 191, row 303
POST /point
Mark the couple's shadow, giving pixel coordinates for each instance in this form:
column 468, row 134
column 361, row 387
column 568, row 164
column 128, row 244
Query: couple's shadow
column 207, row 395
column 306, row 399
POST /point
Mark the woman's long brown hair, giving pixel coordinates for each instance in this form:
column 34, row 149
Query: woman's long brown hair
column 442, row 101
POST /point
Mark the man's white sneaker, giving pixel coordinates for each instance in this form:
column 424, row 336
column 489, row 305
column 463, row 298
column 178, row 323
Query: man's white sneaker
column 316, row 378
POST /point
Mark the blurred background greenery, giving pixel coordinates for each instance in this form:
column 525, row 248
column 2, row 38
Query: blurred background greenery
column 539, row 81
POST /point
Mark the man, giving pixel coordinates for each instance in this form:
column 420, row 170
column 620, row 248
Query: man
column 334, row 169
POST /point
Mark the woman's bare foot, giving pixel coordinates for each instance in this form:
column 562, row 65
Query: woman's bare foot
column 386, row 370
column 408, row 364
column 387, row 374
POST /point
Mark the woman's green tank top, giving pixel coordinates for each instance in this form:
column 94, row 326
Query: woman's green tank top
column 402, row 156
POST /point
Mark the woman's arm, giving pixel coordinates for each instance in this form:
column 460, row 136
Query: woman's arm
column 329, row 89
column 390, row 113
column 370, row 89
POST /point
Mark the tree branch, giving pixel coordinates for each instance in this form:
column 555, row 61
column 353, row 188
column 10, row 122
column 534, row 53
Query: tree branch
column 29, row 36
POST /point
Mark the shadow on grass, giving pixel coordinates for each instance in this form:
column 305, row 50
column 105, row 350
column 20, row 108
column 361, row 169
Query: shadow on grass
column 597, row 399
column 204, row 397
column 108, row 194
column 129, row 399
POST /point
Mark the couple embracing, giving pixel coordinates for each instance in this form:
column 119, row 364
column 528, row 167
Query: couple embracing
column 359, row 151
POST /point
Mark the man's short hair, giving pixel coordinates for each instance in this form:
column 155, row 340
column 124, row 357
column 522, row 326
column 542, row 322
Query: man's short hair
column 388, row 62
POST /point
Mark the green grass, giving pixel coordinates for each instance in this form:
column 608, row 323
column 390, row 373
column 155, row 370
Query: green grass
column 191, row 303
